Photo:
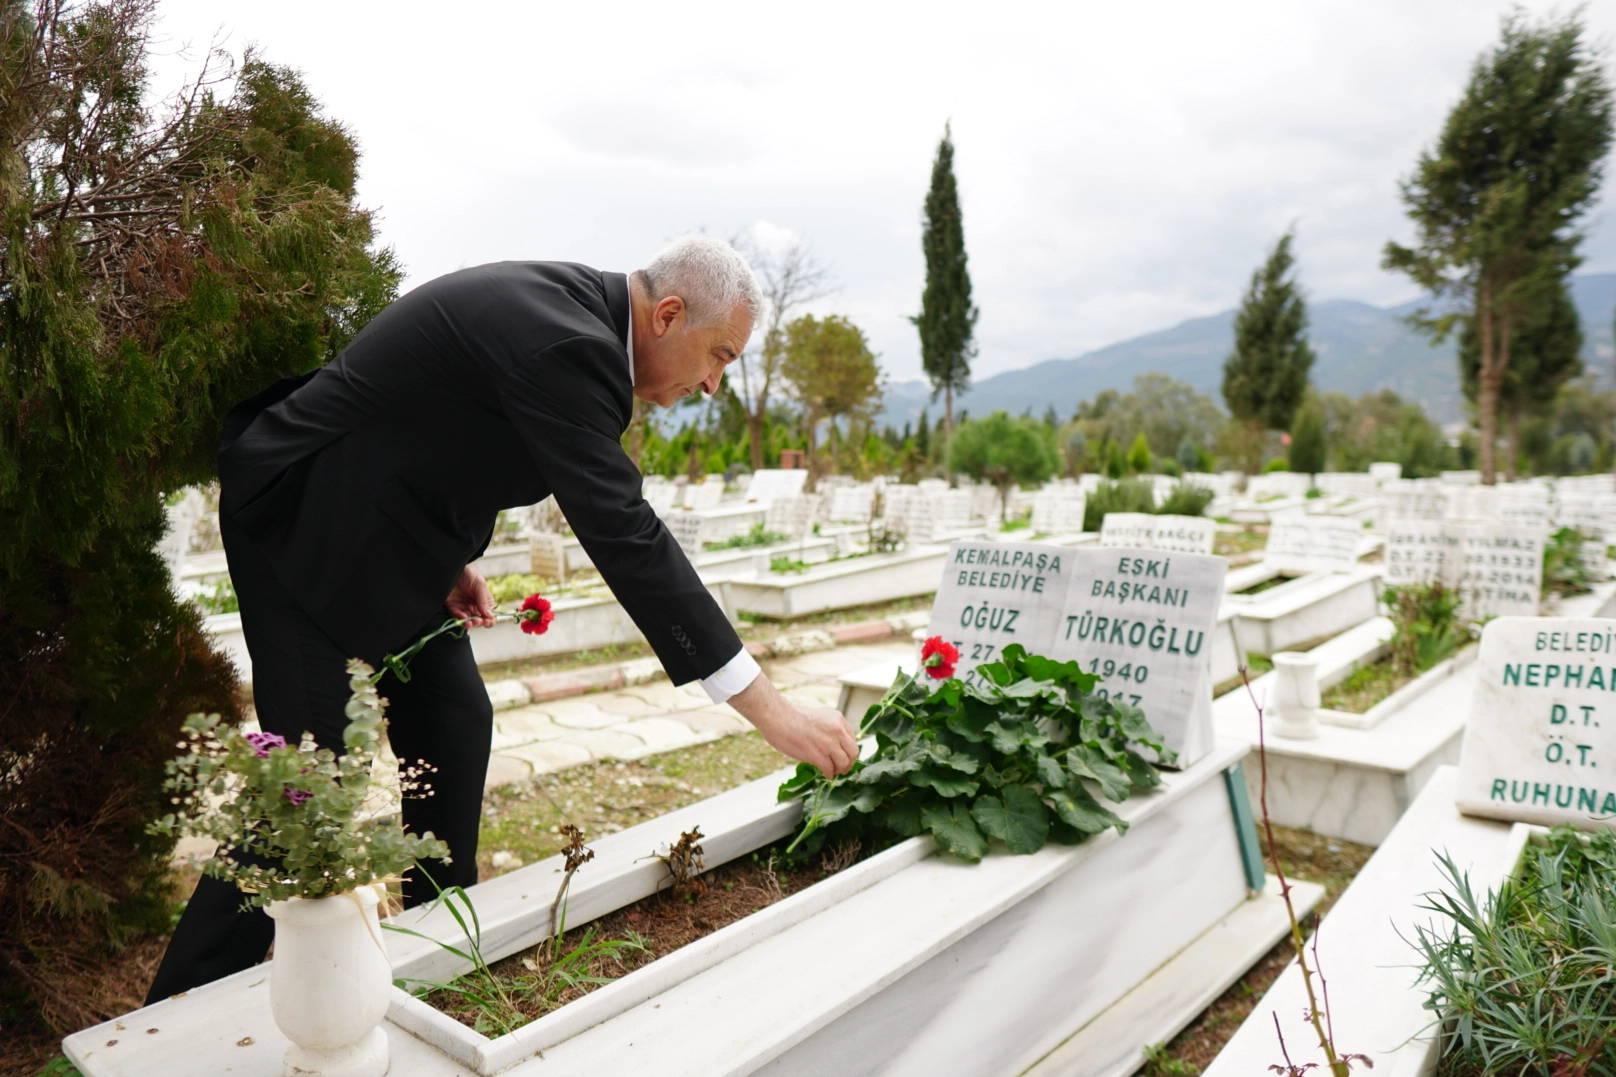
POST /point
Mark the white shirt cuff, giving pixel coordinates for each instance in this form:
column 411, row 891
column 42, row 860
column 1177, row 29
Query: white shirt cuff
column 737, row 673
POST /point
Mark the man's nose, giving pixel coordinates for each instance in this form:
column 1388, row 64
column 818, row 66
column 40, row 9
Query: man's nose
column 714, row 380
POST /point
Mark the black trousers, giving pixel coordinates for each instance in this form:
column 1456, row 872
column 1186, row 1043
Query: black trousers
column 441, row 718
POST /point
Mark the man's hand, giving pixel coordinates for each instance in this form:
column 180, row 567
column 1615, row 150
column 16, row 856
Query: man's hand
column 817, row 735
column 471, row 601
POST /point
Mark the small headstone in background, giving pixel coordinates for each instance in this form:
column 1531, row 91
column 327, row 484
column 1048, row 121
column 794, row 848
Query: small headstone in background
column 687, row 530
column 182, row 519
column 1313, row 544
column 770, row 483
column 1540, row 745
column 1419, row 551
column 792, row 517
column 1523, row 504
column 1412, row 499
column 1353, row 484
column 1182, row 534
column 1058, row 510
column 1461, row 478
column 1383, row 472
column 851, row 504
column 548, row 554
column 1592, row 513
column 1501, row 570
column 1278, row 484
column 705, row 494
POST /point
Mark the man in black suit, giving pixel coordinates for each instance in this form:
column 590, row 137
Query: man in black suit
column 354, row 500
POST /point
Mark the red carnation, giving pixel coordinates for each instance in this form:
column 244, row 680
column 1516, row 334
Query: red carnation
column 535, row 615
column 938, row 657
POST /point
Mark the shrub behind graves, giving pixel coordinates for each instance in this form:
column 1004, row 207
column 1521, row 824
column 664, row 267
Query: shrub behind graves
column 1426, row 628
column 1566, row 558
column 1186, row 500
column 1125, row 495
column 156, row 266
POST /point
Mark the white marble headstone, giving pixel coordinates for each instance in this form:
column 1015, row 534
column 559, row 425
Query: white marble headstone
column 993, row 594
column 547, row 552
column 1058, row 510
column 1181, row 534
column 769, row 483
column 1540, row 746
column 1500, row 570
column 1412, row 499
column 1313, row 544
column 1143, row 619
column 1381, row 472
column 1420, row 551
column 706, row 494
column 1592, row 513
column 687, row 530
column 851, row 504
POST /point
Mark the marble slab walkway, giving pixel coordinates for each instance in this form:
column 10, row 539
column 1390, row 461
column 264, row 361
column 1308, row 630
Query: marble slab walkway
column 646, row 719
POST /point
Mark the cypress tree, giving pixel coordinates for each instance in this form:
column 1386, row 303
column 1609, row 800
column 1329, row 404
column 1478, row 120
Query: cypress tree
column 1265, row 376
column 1496, row 200
column 1308, row 441
column 923, row 436
column 947, row 319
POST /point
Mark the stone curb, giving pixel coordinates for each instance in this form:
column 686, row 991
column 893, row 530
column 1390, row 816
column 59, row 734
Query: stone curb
column 510, row 694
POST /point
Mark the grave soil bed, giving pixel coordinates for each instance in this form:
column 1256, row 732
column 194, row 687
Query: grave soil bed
column 1366, row 687
column 1266, row 585
column 660, row 924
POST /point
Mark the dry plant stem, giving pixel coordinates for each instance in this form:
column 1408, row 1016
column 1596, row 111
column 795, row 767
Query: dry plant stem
column 1316, row 1014
column 577, row 855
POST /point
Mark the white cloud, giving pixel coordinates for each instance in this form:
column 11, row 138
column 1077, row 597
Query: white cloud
column 1121, row 167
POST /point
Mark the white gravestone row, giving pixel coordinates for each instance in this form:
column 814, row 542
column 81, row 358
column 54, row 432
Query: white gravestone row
column 1058, row 510
column 1461, row 478
column 705, row 494
column 687, row 528
column 1412, row 499
column 792, row 517
column 1138, row 618
column 1313, row 544
column 1353, row 484
column 1594, row 514
column 951, row 510
column 770, row 483
column 1383, row 472
column 1145, row 531
column 1496, row 568
column 1540, row 746
column 851, row 504
column 1278, row 484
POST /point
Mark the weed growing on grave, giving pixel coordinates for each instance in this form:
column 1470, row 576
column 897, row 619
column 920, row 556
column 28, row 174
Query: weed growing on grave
column 1566, row 563
column 501, row 1004
column 787, row 564
column 1523, row 981
column 757, row 536
column 1010, row 758
column 1426, row 625
column 1318, row 1002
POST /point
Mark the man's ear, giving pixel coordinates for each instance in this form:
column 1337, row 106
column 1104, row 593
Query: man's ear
column 669, row 313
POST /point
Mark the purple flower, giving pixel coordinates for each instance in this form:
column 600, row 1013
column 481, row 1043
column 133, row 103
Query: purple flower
column 297, row 796
column 263, row 742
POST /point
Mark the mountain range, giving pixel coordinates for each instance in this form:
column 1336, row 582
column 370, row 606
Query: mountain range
column 1360, row 348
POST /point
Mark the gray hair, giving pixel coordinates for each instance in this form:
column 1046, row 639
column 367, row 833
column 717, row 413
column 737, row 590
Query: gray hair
column 709, row 275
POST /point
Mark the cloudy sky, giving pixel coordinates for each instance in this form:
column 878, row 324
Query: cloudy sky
column 1122, row 166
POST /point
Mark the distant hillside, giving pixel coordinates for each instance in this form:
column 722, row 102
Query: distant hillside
column 1360, row 348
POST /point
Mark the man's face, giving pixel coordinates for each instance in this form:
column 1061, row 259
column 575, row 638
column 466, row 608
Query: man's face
column 672, row 361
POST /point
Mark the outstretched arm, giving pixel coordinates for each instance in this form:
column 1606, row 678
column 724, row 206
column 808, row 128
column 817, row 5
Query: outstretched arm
column 817, row 735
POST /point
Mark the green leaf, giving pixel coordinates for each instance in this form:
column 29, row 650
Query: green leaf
column 1019, row 819
column 944, row 782
column 1049, row 772
column 1075, row 807
column 955, row 830
column 996, row 672
column 902, row 814
column 1084, row 762
column 1011, row 741
column 799, row 782
column 971, row 720
column 1140, row 772
column 944, row 755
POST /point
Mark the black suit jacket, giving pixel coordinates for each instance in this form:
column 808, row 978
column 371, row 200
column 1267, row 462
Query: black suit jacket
column 370, row 483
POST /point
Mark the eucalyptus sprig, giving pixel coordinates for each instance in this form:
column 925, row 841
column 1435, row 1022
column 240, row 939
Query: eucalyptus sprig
column 1015, row 758
column 290, row 820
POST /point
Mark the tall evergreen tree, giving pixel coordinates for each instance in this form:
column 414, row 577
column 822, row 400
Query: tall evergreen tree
column 155, row 268
column 1496, row 200
column 1265, row 377
column 923, row 436
column 947, row 319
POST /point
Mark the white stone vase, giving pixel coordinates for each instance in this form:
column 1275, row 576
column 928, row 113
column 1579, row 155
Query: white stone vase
column 1293, row 702
column 330, row 983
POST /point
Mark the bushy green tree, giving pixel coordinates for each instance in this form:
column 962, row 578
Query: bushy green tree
column 1496, row 201
column 155, row 269
column 1266, row 375
column 1383, row 426
column 833, row 374
column 1167, row 411
column 1139, row 459
column 1006, row 452
column 1308, row 440
column 947, row 319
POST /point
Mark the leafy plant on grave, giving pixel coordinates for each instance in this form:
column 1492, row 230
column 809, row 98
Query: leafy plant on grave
column 1125, row 495
column 1185, row 500
column 1523, row 980
column 1566, row 563
column 1015, row 758
column 757, row 536
column 787, row 564
column 1426, row 625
